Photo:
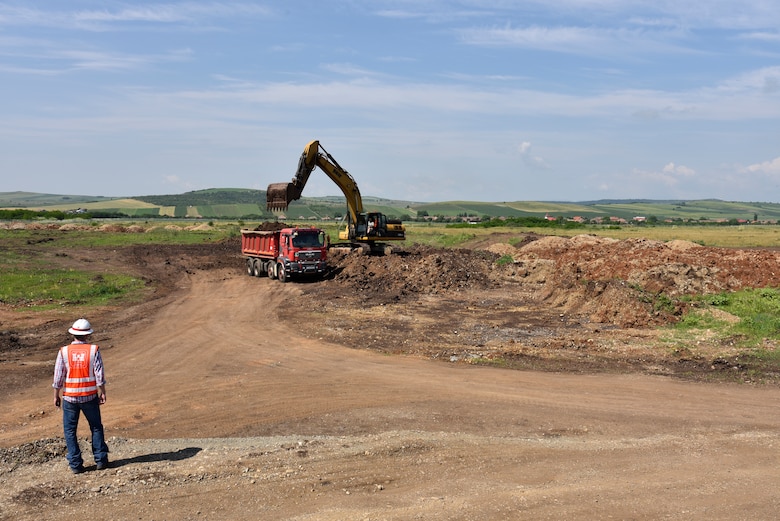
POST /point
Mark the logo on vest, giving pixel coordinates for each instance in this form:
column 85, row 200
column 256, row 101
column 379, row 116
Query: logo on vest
column 78, row 357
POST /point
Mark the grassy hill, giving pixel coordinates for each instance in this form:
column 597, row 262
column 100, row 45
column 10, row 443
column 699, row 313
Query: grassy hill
column 238, row 203
column 34, row 200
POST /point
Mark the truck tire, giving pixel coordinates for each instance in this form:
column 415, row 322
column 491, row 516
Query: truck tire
column 258, row 268
column 269, row 269
column 283, row 276
column 250, row 267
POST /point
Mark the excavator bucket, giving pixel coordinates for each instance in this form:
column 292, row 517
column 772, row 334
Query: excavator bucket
column 276, row 196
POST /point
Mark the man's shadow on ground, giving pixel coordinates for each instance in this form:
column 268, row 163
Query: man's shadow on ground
column 178, row 455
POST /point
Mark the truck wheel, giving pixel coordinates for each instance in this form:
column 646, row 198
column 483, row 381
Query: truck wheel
column 270, row 270
column 283, row 277
column 258, row 268
column 250, row 267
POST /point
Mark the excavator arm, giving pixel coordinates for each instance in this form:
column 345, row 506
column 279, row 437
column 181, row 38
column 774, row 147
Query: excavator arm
column 280, row 195
column 361, row 227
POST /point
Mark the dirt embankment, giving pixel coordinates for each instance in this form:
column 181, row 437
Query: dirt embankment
column 613, row 282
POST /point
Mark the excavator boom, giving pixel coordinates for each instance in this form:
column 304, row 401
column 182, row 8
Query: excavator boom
column 361, row 227
column 279, row 195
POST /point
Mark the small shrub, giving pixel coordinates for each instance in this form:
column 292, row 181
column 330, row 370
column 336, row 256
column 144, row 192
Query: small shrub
column 505, row 259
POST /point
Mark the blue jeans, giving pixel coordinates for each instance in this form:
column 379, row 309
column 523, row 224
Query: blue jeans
column 70, row 423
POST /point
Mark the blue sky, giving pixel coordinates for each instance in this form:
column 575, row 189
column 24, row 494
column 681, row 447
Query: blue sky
column 423, row 100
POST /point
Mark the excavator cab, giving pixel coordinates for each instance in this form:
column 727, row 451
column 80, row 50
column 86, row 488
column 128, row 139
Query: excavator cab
column 376, row 224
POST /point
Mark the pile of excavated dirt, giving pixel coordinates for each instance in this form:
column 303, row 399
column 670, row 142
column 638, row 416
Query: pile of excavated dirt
column 269, row 226
column 628, row 283
column 420, row 270
column 636, row 282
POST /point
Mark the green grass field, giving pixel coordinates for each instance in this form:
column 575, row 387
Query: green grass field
column 44, row 288
column 753, row 236
column 30, row 283
column 234, row 203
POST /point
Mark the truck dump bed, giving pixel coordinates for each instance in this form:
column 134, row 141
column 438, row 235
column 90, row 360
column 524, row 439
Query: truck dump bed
column 260, row 243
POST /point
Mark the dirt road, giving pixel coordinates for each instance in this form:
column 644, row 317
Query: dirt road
column 218, row 411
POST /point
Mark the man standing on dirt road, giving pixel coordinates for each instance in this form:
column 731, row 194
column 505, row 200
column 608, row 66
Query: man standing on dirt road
column 79, row 386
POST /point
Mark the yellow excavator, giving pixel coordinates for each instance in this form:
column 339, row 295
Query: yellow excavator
column 362, row 228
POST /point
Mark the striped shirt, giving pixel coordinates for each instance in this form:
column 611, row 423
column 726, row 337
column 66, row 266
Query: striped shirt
column 61, row 372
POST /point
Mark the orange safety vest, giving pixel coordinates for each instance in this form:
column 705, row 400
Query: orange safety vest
column 80, row 362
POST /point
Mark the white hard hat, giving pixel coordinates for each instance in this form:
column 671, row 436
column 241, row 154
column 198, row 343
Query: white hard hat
column 81, row 327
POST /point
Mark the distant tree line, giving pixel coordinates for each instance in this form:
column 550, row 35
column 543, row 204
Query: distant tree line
column 56, row 215
column 525, row 222
column 561, row 222
column 206, row 197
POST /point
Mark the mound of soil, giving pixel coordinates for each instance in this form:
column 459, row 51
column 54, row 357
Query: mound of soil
column 420, row 270
column 269, row 226
column 629, row 283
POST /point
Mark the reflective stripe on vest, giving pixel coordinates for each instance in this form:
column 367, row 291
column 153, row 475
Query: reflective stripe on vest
column 80, row 362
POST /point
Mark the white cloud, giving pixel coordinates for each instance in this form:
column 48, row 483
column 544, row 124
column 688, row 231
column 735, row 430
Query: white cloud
column 529, row 159
column 767, row 167
column 564, row 39
column 577, row 40
column 348, row 69
column 159, row 13
column 670, row 175
column 185, row 13
column 713, row 13
column 764, row 36
column 678, row 170
column 755, row 80
column 524, row 147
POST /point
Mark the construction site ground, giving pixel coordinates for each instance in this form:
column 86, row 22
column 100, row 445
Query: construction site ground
column 518, row 377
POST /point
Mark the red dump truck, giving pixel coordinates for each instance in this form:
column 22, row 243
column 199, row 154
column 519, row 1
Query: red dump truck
column 285, row 252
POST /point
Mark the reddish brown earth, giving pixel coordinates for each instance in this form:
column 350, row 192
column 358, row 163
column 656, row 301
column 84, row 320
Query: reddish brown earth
column 427, row 384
